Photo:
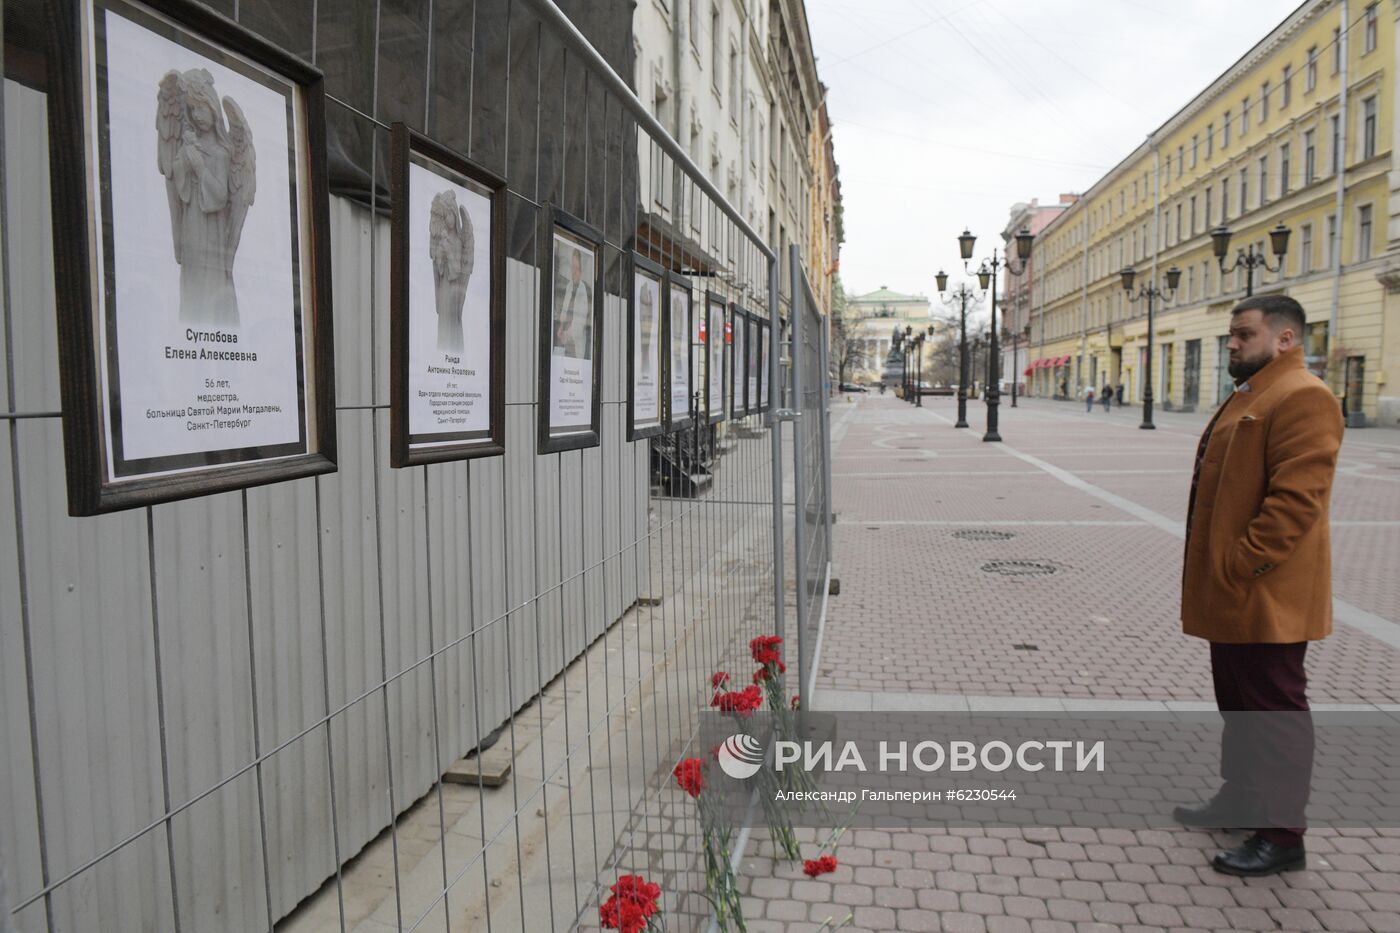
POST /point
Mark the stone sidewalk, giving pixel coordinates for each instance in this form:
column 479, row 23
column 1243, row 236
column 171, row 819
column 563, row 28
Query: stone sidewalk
column 1089, row 510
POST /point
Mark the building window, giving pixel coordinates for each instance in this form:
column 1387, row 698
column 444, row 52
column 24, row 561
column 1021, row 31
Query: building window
column 1285, row 165
column 1336, row 143
column 1169, row 166
column 1244, row 116
column 1336, row 49
column 733, row 83
column 1210, row 140
column 1305, row 255
column 1263, row 180
column 716, row 61
column 1178, row 222
column 1180, row 159
column 1309, row 157
column 1193, row 216
column 1225, row 131
column 1363, row 232
column 1195, row 150
column 1287, row 85
column 1331, row 240
column 1370, row 29
column 1224, row 200
column 1207, row 209
column 1310, row 73
column 1264, row 103
column 1244, row 190
column 1368, row 127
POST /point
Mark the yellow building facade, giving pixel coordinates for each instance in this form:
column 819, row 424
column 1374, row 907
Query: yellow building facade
column 1274, row 140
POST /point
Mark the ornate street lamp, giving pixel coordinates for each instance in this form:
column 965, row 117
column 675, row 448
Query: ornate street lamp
column 960, row 297
column 986, row 279
column 1150, row 292
column 1220, row 242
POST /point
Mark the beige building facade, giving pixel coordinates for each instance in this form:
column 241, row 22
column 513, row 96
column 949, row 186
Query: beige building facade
column 1298, row 132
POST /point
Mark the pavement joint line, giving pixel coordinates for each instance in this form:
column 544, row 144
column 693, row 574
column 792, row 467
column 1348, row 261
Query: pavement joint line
column 830, row 700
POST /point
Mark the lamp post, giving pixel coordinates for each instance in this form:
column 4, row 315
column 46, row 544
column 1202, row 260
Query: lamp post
column 987, row 273
column 1249, row 259
column 960, row 297
column 1150, row 292
column 1015, row 338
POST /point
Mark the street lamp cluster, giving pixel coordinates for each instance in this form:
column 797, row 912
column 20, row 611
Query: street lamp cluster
column 986, row 281
column 1249, row 260
column 907, row 343
column 986, row 273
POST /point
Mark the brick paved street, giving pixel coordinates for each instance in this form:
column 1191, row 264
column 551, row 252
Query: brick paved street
column 918, row 624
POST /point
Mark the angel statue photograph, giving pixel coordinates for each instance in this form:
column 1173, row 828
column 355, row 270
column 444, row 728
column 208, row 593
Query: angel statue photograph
column 210, row 181
column 453, row 248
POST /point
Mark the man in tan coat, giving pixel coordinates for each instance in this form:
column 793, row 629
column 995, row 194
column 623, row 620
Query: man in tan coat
column 1257, row 577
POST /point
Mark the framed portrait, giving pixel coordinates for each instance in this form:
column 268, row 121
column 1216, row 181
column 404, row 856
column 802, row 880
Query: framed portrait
column 571, row 333
column 679, row 381
column 765, row 347
column 739, row 368
column 644, row 367
column 447, row 305
column 191, row 254
column 715, row 343
column 751, row 345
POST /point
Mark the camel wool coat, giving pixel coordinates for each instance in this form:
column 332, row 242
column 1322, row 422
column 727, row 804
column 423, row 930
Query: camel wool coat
column 1258, row 563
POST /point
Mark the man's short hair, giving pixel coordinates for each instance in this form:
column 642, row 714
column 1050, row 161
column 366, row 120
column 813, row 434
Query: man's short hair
column 1279, row 312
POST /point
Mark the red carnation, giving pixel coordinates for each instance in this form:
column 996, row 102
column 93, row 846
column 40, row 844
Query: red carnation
column 819, row 866
column 689, row 774
column 743, row 702
column 796, row 701
column 718, row 678
column 764, row 649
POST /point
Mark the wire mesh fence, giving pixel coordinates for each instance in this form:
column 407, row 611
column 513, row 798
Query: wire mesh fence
column 445, row 697
column 811, row 390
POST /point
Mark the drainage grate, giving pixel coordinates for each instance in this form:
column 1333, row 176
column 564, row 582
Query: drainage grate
column 982, row 534
column 1021, row 568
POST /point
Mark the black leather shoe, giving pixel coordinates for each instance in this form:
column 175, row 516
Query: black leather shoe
column 1258, row 856
column 1211, row 815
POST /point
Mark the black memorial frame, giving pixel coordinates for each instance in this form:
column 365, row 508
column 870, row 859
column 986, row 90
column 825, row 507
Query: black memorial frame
column 406, row 449
column 550, row 441
column 83, row 271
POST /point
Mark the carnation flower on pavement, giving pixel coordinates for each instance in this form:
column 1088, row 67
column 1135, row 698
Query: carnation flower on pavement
column 819, row 866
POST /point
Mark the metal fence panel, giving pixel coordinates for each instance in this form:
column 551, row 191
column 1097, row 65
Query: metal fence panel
column 234, row 712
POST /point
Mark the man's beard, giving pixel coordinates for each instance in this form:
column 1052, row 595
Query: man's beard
column 1241, row 370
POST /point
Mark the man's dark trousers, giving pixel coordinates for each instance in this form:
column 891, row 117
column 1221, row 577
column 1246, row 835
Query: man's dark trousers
column 1265, row 760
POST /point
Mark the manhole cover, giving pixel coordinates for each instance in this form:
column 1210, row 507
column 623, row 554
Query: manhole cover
column 982, row 534
column 1021, row 568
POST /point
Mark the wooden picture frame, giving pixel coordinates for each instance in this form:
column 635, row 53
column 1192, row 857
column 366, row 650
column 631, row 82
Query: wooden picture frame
column 715, row 345
column 456, row 273
column 679, row 330
column 645, row 416
column 739, row 358
column 195, row 346
column 578, row 361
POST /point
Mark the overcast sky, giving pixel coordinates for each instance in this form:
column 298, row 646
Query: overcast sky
column 947, row 112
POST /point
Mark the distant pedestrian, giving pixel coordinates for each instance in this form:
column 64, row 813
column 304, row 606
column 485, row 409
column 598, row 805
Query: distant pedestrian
column 1106, row 396
column 1089, row 400
column 1120, row 395
column 1257, row 580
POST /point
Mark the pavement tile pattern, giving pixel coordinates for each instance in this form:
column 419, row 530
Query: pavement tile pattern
column 920, row 613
